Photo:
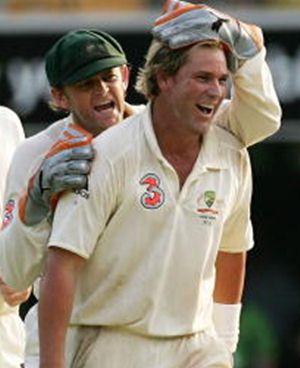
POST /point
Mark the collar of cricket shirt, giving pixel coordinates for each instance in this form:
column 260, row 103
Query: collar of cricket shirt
column 211, row 155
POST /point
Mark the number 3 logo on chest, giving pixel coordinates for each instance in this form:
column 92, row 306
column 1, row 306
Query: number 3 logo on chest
column 154, row 196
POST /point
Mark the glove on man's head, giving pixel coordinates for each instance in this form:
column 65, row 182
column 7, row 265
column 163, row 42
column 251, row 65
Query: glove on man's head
column 184, row 24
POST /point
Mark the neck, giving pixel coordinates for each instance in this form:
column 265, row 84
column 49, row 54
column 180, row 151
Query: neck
column 179, row 146
column 172, row 137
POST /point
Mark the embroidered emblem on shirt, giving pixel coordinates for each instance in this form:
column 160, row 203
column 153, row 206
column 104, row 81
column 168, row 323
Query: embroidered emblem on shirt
column 154, row 196
column 8, row 213
column 209, row 197
column 208, row 213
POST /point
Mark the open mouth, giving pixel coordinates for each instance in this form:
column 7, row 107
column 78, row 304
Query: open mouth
column 105, row 106
column 206, row 110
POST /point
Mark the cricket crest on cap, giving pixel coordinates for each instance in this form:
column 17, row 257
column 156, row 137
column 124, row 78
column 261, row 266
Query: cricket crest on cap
column 80, row 54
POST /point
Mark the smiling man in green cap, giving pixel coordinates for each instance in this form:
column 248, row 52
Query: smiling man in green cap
column 88, row 75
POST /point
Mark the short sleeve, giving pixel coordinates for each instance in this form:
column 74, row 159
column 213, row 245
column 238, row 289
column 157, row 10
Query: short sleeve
column 238, row 232
column 81, row 217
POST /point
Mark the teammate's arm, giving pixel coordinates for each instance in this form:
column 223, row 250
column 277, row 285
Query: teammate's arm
column 55, row 304
column 65, row 167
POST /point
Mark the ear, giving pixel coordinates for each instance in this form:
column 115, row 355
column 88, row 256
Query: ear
column 164, row 81
column 125, row 76
column 60, row 99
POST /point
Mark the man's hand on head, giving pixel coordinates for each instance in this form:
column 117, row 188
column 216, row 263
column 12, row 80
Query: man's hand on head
column 185, row 24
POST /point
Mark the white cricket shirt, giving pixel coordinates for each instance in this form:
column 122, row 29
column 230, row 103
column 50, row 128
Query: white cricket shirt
column 12, row 334
column 150, row 247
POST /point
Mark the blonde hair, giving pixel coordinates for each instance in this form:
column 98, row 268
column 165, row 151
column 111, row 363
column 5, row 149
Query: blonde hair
column 161, row 58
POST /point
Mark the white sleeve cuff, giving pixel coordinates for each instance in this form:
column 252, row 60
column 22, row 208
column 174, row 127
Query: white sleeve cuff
column 250, row 66
column 226, row 318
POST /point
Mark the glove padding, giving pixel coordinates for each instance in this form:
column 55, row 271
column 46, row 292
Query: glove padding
column 65, row 167
column 185, row 24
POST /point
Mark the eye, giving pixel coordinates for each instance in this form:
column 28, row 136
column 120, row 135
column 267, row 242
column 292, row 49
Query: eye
column 85, row 85
column 223, row 81
column 111, row 77
column 202, row 78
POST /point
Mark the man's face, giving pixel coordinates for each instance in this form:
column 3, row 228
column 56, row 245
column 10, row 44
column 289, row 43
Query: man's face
column 97, row 103
column 196, row 91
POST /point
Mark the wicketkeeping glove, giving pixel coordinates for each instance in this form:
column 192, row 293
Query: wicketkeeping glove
column 184, row 24
column 65, row 167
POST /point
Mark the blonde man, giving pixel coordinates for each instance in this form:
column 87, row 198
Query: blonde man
column 148, row 268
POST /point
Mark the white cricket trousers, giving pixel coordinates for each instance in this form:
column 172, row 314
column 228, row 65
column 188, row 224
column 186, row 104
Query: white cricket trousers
column 32, row 349
column 12, row 339
column 109, row 347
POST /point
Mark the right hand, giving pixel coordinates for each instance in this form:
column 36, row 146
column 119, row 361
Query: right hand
column 11, row 296
column 243, row 40
column 185, row 24
column 65, row 167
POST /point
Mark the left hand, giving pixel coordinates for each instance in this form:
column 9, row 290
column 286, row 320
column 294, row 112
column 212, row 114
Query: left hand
column 65, row 167
column 11, row 296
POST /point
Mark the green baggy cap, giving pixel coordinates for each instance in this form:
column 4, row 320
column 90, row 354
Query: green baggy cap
column 81, row 54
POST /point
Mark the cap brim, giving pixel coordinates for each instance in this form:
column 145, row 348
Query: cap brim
column 93, row 68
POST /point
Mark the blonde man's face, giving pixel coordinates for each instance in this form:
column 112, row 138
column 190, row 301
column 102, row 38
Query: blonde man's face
column 196, row 91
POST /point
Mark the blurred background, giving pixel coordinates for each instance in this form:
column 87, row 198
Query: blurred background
column 270, row 336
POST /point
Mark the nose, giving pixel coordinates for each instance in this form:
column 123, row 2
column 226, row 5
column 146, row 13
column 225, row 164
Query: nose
column 215, row 89
column 101, row 87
